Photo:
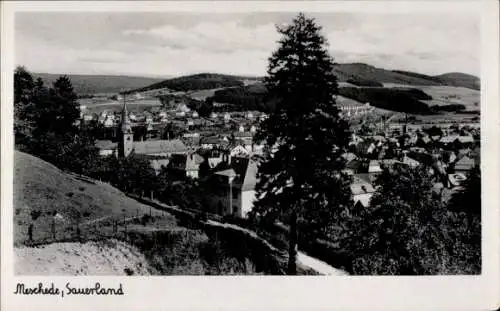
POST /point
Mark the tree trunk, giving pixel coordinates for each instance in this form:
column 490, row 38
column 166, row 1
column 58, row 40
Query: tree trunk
column 292, row 248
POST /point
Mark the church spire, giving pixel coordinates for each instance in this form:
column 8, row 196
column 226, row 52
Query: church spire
column 126, row 127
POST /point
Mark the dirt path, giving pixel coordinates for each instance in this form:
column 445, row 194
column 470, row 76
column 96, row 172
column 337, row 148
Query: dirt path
column 318, row 265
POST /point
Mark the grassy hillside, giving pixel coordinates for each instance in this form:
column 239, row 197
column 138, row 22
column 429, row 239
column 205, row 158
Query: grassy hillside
column 42, row 191
column 345, row 72
column 92, row 84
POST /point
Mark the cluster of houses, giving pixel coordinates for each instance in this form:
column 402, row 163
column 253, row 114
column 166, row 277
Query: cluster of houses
column 349, row 110
column 449, row 157
column 221, row 148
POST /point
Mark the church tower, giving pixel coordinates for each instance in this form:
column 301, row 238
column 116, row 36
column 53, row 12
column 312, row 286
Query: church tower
column 126, row 137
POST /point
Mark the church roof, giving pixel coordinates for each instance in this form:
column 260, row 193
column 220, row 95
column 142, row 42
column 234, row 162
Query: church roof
column 160, row 146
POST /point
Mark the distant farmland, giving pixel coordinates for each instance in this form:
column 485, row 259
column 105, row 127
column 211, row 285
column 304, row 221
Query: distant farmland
column 110, row 105
column 447, row 95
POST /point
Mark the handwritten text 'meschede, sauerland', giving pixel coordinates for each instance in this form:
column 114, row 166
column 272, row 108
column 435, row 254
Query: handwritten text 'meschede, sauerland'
column 41, row 289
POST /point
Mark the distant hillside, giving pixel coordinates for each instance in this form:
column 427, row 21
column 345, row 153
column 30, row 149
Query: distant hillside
column 365, row 72
column 92, row 84
column 202, row 81
column 461, row 79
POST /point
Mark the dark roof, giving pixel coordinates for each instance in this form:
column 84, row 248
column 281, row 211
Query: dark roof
column 160, row 146
column 105, row 144
column 243, row 134
column 353, row 165
column 246, row 173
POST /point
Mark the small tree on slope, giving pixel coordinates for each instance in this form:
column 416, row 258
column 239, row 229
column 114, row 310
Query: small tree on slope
column 299, row 174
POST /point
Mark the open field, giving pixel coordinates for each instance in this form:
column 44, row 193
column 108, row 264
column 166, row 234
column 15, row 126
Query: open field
column 135, row 106
column 202, row 94
column 447, row 95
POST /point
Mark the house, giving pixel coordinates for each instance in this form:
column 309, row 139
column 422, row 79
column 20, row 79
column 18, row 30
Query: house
column 106, row 147
column 210, row 142
column 352, row 167
column 234, row 188
column 362, row 190
column 374, row 169
column 349, row 156
column 245, row 138
column 466, row 140
column 187, row 163
column 88, row 117
column 109, row 122
column 448, row 139
column 239, row 151
column 464, row 165
column 410, row 162
column 457, row 179
column 214, row 158
column 158, row 163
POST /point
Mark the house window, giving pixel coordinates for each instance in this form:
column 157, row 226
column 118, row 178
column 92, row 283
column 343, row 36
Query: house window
column 128, row 138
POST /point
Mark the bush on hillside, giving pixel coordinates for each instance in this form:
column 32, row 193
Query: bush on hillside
column 252, row 97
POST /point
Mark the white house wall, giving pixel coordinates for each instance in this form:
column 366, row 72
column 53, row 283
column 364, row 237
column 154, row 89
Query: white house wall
column 247, row 200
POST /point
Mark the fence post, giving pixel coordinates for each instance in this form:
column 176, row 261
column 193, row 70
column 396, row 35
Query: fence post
column 53, row 228
column 30, row 233
column 77, row 230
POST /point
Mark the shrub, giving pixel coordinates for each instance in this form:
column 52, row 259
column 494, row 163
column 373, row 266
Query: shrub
column 35, row 214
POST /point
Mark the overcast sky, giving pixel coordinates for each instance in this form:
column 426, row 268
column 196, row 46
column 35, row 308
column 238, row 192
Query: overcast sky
column 164, row 44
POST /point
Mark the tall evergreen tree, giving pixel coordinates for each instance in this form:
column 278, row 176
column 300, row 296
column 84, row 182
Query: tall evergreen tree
column 299, row 175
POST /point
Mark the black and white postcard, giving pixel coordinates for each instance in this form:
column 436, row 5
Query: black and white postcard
column 241, row 155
